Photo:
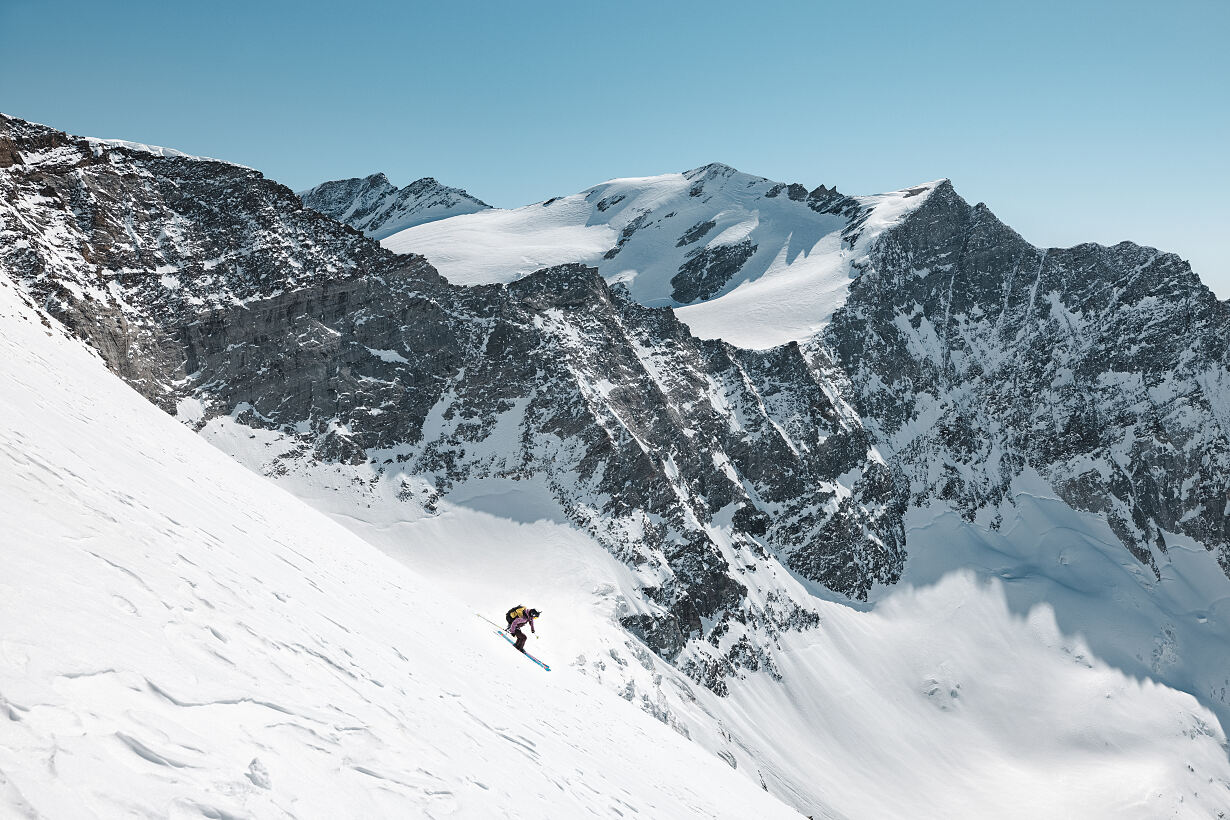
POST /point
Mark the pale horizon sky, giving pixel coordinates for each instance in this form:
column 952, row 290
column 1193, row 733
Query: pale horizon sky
column 1073, row 121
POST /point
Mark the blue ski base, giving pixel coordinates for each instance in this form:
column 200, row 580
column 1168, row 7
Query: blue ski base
column 508, row 638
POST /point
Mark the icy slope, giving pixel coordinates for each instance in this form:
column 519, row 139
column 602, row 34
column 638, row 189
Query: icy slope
column 183, row 639
column 755, row 262
column 378, row 208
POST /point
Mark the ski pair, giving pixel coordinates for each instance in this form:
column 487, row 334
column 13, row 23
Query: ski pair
column 504, row 633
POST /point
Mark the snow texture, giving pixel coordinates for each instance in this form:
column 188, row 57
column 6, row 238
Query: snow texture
column 183, row 639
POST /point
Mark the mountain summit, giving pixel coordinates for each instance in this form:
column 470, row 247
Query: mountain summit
column 754, row 262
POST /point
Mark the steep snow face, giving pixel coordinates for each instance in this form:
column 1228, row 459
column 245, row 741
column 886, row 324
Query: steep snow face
column 378, row 208
column 751, row 261
column 182, row 638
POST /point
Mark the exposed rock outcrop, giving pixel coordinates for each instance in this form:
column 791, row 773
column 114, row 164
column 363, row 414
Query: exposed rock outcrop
column 204, row 281
column 378, row 208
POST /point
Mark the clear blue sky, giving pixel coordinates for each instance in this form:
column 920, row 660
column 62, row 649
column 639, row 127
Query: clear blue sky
column 1075, row 121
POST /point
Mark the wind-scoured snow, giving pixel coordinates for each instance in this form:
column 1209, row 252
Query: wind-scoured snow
column 792, row 261
column 181, row 638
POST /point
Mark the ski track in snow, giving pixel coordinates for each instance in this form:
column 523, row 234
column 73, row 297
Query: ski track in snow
column 182, row 638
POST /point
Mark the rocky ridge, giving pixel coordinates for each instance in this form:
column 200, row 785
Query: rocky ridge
column 974, row 355
column 378, row 208
column 970, row 354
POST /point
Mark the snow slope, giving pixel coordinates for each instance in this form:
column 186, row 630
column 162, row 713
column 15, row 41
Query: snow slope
column 1025, row 671
column 182, row 639
column 1027, row 666
column 642, row 231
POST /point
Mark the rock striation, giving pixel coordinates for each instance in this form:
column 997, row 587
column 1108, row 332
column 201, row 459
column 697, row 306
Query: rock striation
column 974, row 355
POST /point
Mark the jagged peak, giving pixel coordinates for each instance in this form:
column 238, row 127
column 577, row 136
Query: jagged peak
column 381, row 180
column 943, row 184
column 923, row 197
column 379, row 208
column 376, row 180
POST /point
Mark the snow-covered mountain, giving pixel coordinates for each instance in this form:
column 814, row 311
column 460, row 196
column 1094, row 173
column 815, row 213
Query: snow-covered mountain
column 976, row 356
column 184, row 639
column 359, row 350
column 756, row 262
column 874, row 567
column 971, row 353
column 379, row 208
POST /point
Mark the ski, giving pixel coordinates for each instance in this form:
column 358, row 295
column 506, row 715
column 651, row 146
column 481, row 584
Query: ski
column 506, row 637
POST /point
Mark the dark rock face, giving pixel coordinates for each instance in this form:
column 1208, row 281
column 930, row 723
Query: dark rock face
column 794, row 191
column 708, row 270
column 378, row 208
column 696, row 232
column 627, row 233
column 1103, row 369
column 202, row 280
column 111, row 238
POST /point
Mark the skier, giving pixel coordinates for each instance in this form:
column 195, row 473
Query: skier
column 517, row 617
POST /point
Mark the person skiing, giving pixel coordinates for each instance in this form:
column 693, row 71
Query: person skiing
column 518, row 617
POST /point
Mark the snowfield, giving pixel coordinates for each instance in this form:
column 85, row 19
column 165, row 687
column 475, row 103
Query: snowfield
column 181, row 638
column 785, row 291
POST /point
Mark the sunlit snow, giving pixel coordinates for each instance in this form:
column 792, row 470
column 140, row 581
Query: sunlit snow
column 181, row 638
column 786, row 291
